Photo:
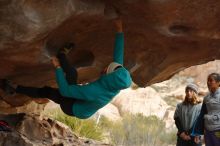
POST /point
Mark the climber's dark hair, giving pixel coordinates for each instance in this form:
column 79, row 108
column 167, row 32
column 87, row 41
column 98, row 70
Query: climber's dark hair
column 215, row 76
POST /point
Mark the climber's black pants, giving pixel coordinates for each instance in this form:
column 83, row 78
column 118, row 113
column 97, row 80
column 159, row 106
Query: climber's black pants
column 53, row 93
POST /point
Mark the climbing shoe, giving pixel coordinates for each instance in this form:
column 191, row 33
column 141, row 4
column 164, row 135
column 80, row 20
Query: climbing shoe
column 67, row 48
column 7, row 86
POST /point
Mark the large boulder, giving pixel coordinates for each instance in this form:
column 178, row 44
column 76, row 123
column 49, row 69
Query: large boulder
column 143, row 100
column 161, row 38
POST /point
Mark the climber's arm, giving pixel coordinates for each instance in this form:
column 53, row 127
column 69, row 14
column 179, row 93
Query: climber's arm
column 119, row 42
column 64, row 88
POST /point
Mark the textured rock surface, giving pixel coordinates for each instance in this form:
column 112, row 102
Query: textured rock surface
column 144, row 100
column 201, row 78
column 36, row 131
column 162, row 37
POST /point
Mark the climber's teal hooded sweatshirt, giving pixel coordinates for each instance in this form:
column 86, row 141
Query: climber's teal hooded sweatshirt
column 97, row 94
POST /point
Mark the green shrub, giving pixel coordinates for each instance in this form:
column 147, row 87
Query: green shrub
column 132, row 130
column 169, row 137
column 138, row 130
column 83, row 128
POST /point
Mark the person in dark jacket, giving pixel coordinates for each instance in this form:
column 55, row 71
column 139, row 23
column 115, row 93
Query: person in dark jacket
column 185, row 115
column 208, row 122
column 82, row 101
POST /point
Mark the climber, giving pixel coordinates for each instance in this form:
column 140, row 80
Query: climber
column 81, row 101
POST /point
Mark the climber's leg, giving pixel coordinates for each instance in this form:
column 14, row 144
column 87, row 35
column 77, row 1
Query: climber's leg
column 50, row 93
column 45, row 92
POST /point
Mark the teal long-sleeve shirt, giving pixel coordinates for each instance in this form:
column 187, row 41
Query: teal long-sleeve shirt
column 97, row 94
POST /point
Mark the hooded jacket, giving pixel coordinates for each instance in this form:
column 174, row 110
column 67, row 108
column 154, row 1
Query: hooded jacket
column 97, row 94
column 209, row 117
column 212, row 117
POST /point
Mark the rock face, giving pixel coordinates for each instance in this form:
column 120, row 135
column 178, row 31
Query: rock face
column 162, row 38
column 144, row 100
column 32, row 130
column 201, row 78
